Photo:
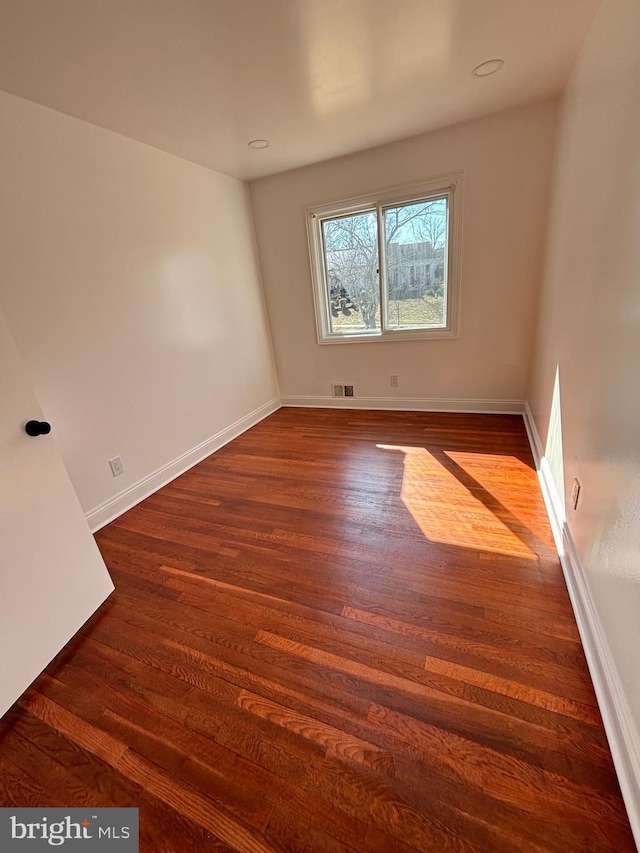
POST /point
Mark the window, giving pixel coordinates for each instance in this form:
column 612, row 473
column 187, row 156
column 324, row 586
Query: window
column 385, row 267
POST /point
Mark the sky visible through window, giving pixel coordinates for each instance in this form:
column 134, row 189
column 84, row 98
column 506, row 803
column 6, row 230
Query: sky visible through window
column 415, row 266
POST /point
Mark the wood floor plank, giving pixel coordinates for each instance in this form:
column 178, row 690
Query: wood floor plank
column 344, row 632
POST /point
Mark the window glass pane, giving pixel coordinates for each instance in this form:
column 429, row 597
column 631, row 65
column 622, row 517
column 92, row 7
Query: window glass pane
column 350, row 246
column 416, row 264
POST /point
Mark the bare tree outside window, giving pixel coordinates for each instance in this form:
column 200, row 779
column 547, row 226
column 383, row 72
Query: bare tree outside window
column 351, row 258
column 387, row 265
column 415, row 264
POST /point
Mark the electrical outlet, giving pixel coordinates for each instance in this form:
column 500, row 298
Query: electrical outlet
column 348, row 391
column 117, row 467
column 394, row 380
column 575, row 493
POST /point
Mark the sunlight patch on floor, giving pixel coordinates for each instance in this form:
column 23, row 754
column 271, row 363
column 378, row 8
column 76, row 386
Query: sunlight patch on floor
column 501, row 477
column 454, row 512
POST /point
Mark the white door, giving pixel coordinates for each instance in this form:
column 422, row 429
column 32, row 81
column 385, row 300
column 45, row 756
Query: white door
column 52, row 577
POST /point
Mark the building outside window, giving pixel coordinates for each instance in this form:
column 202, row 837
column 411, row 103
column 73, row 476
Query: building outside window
column 386, row 266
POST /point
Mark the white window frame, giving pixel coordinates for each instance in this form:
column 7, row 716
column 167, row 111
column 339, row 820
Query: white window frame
column 447, row 185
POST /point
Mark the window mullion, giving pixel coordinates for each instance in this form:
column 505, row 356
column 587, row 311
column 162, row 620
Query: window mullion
column 382, row 275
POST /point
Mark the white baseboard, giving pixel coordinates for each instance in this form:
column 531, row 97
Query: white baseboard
column 534, row 437
column 106, row 512
column 616, row 714
column 409, row 404
column 111, row 509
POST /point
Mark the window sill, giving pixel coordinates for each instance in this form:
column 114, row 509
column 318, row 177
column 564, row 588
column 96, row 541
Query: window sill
column 407, row 335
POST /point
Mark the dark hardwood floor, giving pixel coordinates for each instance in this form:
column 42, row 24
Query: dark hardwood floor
column 345, row 631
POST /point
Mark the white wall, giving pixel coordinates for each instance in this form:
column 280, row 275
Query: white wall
column 506, row 160
column 589, row 329
column 131, row 286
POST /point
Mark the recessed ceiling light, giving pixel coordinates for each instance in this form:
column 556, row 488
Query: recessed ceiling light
column 258, row 143
column 488, row 67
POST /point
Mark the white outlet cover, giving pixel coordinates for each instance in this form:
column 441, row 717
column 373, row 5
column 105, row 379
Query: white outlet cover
column 117, row 467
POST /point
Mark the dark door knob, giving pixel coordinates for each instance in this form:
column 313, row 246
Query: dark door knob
column 37, row 428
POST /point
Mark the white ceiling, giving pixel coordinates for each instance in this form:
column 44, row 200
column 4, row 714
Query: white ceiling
column 318, row 78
